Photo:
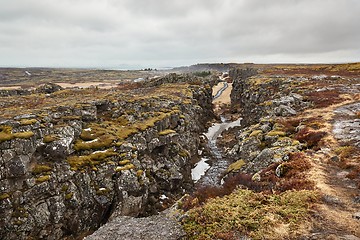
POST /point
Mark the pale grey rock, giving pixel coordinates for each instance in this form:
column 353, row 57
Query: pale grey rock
column 127, row 228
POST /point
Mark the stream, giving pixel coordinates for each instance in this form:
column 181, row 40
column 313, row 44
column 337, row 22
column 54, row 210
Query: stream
column 205, row 174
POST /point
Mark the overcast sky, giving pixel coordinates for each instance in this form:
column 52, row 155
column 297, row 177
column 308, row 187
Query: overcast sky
column 162, row 33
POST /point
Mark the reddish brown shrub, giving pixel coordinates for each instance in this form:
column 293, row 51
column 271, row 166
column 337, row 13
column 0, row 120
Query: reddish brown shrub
column 310, row 137
column 297, row 164
column 289, row 125
column 355, row 173
column 322, row 99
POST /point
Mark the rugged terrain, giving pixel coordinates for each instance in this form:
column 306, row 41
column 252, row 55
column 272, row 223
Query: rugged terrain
column 74, row 159
column 71, row 159
column 300, row 136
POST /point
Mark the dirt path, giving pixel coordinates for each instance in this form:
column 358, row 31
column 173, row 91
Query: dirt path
column 224, row 98
column 335, row 217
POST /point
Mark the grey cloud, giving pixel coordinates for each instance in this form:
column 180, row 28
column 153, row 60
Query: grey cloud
column 105, row 33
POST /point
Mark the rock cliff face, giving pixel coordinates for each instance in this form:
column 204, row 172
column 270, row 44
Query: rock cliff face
column 68, row 167
column 264, row 140
column 256, row 95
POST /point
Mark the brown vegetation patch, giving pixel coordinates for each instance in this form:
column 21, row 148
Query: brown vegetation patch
column 310, row 137
column 325, row 98
column 348, row 69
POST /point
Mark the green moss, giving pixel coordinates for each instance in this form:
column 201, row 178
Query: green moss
column 276, row 133
column 64, row 188
column 139, row 173
column 102, row 191
column 267, row 103
column 4, row 196
column 255, row 133
column 91, row 160
column 184, row 153
column 251, row 214
column 70, row 118
column 42, row 179
column 104, row 141
column 18, row 222
column 295, row 143
column 166, row 132
column 5, row 137
column 126, row 167
column 40, row 168
column 24, row 135
column 50, row 138
column 20, row 212
column 69, row 196
column 25, row 122
column 235, row 166
column 5, row 133
column 87, row 136
column 124, row 162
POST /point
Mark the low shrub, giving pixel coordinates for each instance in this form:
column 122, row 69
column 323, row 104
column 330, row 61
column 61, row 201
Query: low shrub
column 310, row 137
column 325, row 98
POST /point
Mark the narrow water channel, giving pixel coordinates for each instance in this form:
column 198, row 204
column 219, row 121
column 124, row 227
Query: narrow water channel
column 209, row 170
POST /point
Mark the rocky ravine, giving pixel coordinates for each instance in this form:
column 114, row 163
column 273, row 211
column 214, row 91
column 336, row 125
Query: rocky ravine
column 300, row 131
column 75, row 158
column 281, row 148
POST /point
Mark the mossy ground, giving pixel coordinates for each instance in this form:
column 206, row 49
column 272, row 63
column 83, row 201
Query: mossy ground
column 246, row 213
column 7, row 134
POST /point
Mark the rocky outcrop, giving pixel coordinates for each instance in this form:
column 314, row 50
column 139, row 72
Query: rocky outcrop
column 263, row 141
column 67, row 169
column 256, row 96
column 261, row 145
column 347, row 126
column 44, row 88
column 129, row 228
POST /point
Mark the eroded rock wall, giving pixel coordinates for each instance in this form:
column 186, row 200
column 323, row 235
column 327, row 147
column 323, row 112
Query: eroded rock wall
column 256, row 96
column 67, row 171
column 262, row 99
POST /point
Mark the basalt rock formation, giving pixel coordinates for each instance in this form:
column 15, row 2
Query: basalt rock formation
column 72, row 159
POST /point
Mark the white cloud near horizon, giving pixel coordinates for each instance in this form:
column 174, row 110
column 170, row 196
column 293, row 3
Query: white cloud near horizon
column 160, row 33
